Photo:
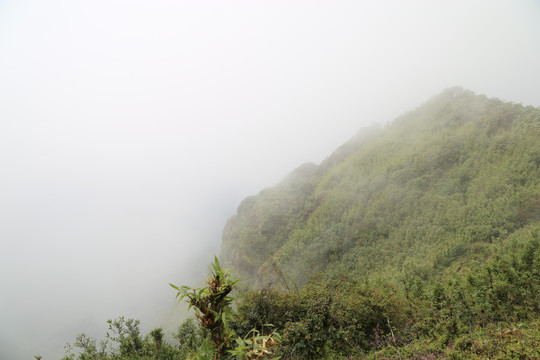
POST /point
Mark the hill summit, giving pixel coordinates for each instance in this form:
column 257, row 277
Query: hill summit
column 438, row 189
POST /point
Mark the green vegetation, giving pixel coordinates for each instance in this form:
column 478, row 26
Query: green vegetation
column 438, row 186
column 212, row 306
column 417, row 241
column 442, row 205
column 212, row 339
column 490, row 312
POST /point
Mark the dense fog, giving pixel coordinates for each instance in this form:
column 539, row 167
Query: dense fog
column 130, row 131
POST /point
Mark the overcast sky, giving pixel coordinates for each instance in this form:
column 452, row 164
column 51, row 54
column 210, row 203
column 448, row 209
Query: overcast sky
column 131, row 130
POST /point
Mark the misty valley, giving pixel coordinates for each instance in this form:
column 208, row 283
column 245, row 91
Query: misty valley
column 416, row 240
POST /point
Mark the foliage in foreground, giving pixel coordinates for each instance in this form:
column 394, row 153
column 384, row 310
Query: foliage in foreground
column 211, row 339
column 488, row 312
column 212, row 306
column 491, row 311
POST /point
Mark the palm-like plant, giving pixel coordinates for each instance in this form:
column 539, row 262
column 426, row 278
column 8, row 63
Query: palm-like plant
column 212, row 306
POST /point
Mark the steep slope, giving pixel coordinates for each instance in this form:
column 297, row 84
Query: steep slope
column 439, row 188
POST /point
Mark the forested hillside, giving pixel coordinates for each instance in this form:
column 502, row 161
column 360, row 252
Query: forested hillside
column 420, row 240
column 438, row 189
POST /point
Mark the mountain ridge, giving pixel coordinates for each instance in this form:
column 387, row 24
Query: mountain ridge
column 440, row 182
